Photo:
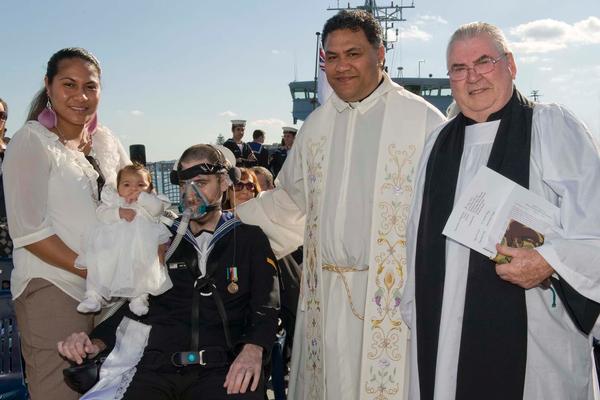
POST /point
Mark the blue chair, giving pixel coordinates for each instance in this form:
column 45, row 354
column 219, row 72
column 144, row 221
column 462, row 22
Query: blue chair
column 6, row 267
column 12, row 383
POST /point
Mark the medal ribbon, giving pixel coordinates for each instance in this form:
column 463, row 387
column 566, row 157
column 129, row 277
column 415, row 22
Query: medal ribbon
column 232, row 274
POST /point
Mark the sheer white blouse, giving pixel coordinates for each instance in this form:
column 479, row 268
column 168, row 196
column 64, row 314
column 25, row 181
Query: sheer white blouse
column 52, row 190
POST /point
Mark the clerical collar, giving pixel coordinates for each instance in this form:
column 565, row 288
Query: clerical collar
column 482, row 133
column 377, row 87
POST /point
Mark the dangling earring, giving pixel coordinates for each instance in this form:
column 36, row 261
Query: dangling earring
column 92, row 125
column 48, row 117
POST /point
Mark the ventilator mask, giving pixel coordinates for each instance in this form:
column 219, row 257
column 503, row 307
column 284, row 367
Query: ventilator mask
column 194, row 203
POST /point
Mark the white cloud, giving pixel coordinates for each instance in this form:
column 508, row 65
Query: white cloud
column 534, row 59
column 537, row 46
column 275, row 51
column 542, row 29
column 528, row 59
column 136, row 113
column 588, row 76
column 414, row 32
column 428, row 19
column 564, row 78
column 269, row 122
column 227, row 114
column 547, row 35
column 587, row 73
column 545, row 69
column 589, row 29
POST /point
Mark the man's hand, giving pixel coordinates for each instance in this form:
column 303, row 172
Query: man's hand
column 527, row 268
column 127, row 214
column 245, row 368
column 78, row 346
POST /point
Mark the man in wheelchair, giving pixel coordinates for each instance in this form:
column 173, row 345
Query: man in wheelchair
column 210, row 335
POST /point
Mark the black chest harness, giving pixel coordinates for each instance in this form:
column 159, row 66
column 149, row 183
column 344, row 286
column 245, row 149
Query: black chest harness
column 205, row 286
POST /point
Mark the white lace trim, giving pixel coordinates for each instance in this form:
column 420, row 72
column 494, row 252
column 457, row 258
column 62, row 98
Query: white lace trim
column 106, row 151
column 119, row 368
column 128, row 375
column 126, row 379
column 67, row 155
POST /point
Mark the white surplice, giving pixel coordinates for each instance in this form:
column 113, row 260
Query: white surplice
column 344, row 191
column 565, row 170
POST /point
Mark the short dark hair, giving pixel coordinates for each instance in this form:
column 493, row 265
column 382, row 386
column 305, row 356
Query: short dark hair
column 258, row 133
column 199, row 152
column 41, row 98
column 355, row 20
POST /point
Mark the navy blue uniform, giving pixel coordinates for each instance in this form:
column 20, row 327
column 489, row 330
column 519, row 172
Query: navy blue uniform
column 277, row 160
column 252, row 313
column 261, row 153
column 244, row 153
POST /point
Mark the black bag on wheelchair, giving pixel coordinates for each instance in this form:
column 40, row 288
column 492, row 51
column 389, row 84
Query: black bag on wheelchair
column 84, row 376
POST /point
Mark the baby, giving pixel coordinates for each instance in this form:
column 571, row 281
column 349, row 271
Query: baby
column 121, row 252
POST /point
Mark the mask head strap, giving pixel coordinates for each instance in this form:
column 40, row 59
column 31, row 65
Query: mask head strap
column 178, row 176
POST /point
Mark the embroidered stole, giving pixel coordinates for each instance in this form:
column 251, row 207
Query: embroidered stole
column 385, row 335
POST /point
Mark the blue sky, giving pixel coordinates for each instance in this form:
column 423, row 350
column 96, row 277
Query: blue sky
column 175, row 73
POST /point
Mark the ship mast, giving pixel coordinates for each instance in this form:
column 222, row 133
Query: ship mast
column 386, row 15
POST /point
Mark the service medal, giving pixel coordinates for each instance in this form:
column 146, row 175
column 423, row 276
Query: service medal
column 233, row 288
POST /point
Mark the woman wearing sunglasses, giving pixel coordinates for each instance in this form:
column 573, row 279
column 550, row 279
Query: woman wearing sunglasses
column 245, row 189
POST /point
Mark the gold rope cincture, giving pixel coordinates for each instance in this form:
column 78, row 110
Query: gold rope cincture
column 341, row 271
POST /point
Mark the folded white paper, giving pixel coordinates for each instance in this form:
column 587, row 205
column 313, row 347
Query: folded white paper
column 480, row 217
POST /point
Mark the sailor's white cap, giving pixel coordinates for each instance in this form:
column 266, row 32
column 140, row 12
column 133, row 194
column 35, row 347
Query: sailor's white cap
column 289, row 129
column 238, row 122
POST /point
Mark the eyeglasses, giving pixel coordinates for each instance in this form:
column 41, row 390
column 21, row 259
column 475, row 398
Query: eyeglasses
column 3, row 115
column 251, row 187
column 483, row 66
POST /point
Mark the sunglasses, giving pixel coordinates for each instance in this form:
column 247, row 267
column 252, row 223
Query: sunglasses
column 3, row 115
column 248, row 185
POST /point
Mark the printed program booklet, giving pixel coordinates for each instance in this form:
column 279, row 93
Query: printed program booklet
column 493, row 209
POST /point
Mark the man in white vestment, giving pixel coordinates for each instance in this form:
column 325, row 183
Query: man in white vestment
column 344, row 191
column 523, row 329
